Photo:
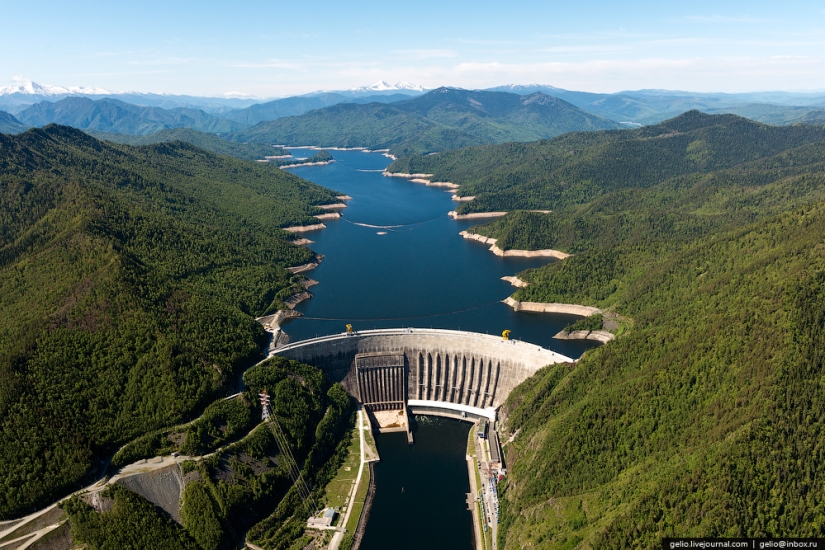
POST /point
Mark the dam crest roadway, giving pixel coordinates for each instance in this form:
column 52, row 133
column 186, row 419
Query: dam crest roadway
column 431, row 371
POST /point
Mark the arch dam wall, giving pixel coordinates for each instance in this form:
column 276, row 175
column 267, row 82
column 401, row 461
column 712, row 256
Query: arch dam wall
column 447, row 369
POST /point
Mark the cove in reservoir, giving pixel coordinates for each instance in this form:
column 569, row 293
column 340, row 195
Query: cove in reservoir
column 396, row 259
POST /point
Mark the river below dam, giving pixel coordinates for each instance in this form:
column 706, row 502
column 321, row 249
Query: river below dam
column 396, row 259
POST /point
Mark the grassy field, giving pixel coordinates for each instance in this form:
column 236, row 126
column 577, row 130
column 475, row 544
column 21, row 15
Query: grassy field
column 337, row 491
column 360, row 497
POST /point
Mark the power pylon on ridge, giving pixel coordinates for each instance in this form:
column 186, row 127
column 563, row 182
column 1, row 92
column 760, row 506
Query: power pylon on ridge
column 286, row 453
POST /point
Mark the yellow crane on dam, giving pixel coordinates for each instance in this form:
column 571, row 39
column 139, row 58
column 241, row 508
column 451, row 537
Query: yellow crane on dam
column 505, row 335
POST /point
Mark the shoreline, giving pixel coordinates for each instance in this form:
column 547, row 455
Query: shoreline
column 304, row 228
column 551, row 307
column 421, row 178
column 475, row 215
column 328, row 216
column 546, row 253
column 310, row 265
column 515, row 281
column 301, row 164
column 602, row 336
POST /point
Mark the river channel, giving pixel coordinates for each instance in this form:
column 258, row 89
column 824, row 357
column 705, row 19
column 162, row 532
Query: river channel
column 395, row 259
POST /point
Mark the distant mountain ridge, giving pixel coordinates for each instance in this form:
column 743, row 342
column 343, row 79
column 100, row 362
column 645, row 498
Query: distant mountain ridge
column 10, row 125
column 445, row 118
column 647, row 107
column 112, row 115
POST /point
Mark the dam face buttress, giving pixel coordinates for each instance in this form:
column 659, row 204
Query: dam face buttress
column 432, row 368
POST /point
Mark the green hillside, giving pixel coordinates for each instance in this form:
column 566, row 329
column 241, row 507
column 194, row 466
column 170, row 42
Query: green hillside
column 443, row 119
column 129, row 278
column 706, row 419
column 204, row 140
column 243, row 490
column 578, row 168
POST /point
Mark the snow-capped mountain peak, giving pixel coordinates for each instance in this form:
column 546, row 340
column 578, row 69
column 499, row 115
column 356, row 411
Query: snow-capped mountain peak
column 27, row 87
column 384, row 86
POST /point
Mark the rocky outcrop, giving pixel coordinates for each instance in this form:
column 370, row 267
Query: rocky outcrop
column 328, row 216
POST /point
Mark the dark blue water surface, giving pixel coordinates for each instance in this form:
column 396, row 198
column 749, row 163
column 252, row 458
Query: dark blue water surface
column 421, row 273
column 420, row 489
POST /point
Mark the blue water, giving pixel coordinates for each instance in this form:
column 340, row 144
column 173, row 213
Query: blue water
column 421, row 273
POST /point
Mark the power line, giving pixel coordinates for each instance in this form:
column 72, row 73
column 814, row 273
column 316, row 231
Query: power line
column 401, row 318
column 285, row 449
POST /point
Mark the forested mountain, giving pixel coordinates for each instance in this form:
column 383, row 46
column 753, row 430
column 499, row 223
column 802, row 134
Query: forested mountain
column 578, row 168
column 10, row 125
column 298, row 105
column 129, row 278
column 112, row 115
column 654, row 106
column 445, row 118
column 706, row 418
column 204, row 140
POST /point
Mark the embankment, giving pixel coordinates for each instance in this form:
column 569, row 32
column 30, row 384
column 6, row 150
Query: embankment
column 539, row 307
column 546, row 253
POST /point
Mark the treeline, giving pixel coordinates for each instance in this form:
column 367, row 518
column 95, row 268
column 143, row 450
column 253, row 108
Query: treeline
column 203, row 140
column 129, row 278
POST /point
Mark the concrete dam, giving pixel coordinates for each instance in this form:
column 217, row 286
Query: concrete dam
column 426, row 370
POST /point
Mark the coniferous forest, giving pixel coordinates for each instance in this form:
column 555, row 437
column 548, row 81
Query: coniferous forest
column 129, row 279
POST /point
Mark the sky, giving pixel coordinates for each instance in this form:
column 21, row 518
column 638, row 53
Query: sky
column 276, row 49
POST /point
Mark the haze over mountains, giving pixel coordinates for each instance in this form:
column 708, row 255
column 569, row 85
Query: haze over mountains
column 445, row 118
column 641, row 107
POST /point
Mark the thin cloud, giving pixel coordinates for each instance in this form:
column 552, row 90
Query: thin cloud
column 425, row 54
column 723, row 19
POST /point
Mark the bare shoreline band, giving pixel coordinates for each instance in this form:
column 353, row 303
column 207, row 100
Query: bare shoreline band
column 547, row 253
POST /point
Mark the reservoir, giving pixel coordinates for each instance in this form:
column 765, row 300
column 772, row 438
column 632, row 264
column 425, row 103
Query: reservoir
column 396, row 259
column 420, row 273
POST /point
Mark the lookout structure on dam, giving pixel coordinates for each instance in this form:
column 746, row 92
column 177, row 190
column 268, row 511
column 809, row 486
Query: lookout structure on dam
column 432, row 371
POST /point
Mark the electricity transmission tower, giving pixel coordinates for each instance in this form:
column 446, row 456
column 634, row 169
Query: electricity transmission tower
column 286, row 454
